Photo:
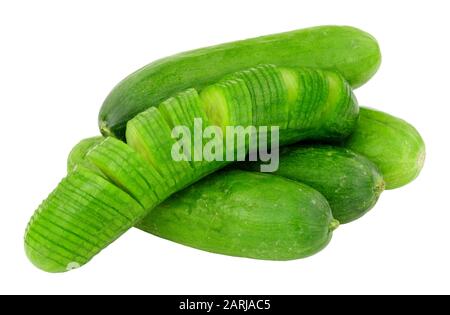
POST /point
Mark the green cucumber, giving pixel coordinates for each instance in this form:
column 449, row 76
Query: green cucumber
column 347, row 50
column 246, row 214
column 126, row 169
column 83, row 215
column 394, row 145
column 79, row 152
column 182, row 110
column 150, row 135
column 150, row 143
column 350, row 182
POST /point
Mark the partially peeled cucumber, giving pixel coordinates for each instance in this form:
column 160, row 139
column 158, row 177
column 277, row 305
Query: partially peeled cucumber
column 83, row 215
column 149, row 136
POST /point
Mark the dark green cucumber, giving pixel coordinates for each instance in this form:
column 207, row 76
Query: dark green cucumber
column 246, row 214
column 350, row 182
column 148, row 175
column 394, row 145
column 347, row 50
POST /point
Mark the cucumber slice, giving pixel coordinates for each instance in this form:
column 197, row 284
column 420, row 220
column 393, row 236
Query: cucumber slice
column 124, row 168
column 229, row 104
column 150, row 135
column 58, row 238
column 340, row 106
column 78, row 153
column 310, row 84
column 279, row 107
column 268, row 94
column 182, row 110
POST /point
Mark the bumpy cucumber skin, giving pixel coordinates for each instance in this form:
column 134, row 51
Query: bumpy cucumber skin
column 347, row 50
column 79, row 151
column 246, row 214
column 350, row 182
column 394, row 145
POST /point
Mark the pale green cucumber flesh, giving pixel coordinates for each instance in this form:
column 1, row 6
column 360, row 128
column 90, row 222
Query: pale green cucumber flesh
column 56, row 241
column 150, row 135
column 79, row 151
column 123, row 170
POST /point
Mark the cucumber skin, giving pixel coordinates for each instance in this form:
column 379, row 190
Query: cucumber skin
column 347, row 50
column 350, row 182
column 44, row 249
column 245, row 214
column 394, row 145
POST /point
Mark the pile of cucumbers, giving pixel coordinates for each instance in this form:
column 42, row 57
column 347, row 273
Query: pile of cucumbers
column 336, row 157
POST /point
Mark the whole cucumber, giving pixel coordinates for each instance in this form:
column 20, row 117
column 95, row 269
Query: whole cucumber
column 88, row 210
column 347, row 50
column 246, row 214
column 349, row 181
column 394, row 145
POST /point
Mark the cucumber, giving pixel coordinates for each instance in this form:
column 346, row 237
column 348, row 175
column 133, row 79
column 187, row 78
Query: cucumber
column 150, row 135
column 78, row 153
column 347, row 50
column 350, row 182
column 126, row 169
column 182, row 110
column 394, row 145
column 83, row 215
column 246, row 214
column 142, row 173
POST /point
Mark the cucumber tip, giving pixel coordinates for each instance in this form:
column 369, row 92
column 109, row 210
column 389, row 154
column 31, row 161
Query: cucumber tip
column 334, row 224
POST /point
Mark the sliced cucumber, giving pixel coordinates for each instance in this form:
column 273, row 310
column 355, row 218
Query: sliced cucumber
column 59, row 238
column 124, row 168
column 182, row 110
column 150, row 135
column 128, row 191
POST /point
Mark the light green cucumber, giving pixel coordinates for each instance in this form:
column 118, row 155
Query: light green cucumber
column 331, row 113
column 347, row 50
column 394, row 145
column 246, row 214
column 83, row 215
column 79, row 151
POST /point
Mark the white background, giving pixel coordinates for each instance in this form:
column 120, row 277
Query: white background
column 58, row 61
